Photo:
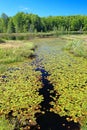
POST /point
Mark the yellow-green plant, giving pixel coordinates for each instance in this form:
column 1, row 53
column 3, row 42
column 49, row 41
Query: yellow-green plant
column 19, row 93
column 68, row 75
column 77, row 47
column 15, row 54
column 4, row 124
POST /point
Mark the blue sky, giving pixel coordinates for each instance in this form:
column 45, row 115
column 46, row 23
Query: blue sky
column 44, row 7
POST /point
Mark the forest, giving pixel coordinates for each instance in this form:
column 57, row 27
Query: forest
column 24, row 23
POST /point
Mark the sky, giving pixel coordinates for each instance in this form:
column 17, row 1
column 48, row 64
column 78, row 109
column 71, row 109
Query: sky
column 44, row 8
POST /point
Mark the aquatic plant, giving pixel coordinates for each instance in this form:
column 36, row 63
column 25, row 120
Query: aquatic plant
column 19, row 87
column 69, row 77
column 4, row 124
column 19, row 94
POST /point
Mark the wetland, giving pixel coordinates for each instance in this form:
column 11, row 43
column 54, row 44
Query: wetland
column 49, row 90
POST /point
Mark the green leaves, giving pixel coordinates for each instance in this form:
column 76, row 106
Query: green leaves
column 68, row 74
column 19, row 93
column 4, row 124
column 69, row 78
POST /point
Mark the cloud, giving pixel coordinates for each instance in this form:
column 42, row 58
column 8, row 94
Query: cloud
column 26, row 9
column 21, row 8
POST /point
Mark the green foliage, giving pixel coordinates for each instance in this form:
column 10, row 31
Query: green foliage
column 11, row 27
column 4, row 22
column 10, row 55
column 84, row 124
column 4, row 124
column 19, row 22
column 68, row 75
column 24, row 23
column 2, row 68
column 15, row 54
column 19, row 95
column 2, row 41
column 77, row 47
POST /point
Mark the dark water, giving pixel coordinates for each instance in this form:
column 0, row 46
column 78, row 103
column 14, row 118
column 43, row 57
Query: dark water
column 45, row 119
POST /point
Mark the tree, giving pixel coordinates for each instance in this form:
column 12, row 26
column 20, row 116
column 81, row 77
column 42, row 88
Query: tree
column 27, row 23
column 36, row 22
column 11, row 27
column 24, row 22
column 1, row 28
column 19, row 22
column 5, row 19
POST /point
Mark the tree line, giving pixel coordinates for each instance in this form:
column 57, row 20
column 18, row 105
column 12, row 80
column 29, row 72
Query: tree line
column 24, row 23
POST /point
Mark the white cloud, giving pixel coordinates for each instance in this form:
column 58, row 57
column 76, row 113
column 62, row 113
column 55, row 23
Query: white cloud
column 26, row 9
column 21, row 8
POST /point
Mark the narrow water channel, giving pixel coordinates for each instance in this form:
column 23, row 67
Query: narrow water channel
column 46, row 119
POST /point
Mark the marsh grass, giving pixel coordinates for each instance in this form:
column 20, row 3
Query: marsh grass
column 12, row 52
column 77, row 47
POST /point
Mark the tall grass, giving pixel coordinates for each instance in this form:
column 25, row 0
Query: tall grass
column 77, row 47
column 11, row 53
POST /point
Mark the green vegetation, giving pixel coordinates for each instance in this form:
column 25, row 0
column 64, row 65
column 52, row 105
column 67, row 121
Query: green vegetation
column 19, row 85
column 12, row 52
column 2, row 41
column 77, row 47
column 4, row 124
column 18, row 93
column 31, row 23
column 69, row 77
